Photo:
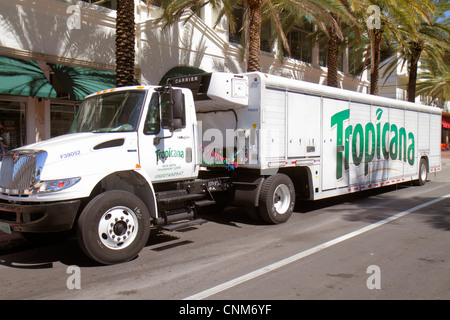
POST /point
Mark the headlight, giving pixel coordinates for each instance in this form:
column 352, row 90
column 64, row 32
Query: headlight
column 55, row 185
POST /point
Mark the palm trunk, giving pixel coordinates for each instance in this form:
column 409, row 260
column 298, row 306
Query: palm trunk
column 333, row 55
column 125, row 38
column 413, row 65
column 253, row 63
column 376, row 39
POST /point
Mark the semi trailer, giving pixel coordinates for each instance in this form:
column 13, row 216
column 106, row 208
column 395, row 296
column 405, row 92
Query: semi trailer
column 142, row 157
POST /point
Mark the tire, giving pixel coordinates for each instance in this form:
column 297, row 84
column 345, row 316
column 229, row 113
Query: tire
column 276, row 199
column 114, row 227
column 423, row 172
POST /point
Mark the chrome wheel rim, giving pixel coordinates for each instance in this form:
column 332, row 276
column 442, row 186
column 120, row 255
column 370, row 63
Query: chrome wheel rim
column 118, row 227
column 423, row 172
column 281, row 199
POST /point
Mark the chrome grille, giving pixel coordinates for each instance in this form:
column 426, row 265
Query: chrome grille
column 19, row 171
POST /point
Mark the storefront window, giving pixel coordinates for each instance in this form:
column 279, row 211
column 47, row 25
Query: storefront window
column 300, row 43
column 111, row 4
column 61, row 118
column 355, row 61
column 12, row 125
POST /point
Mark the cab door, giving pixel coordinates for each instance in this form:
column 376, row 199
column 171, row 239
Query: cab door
column 166, row 154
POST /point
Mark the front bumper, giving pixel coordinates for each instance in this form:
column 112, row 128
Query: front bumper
column 39, row 217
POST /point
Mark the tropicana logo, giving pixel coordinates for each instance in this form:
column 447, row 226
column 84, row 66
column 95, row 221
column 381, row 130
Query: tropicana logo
column 375, row 140
column 166, row 154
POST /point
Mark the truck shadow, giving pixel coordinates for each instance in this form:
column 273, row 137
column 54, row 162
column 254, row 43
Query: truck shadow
column 308, row 206
column 435, row 215
column 22, row 255
column 366, row 206
column 26, row 256
column 235, row 216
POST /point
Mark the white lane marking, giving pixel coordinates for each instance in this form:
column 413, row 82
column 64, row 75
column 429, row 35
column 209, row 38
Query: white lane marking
column 254, row 274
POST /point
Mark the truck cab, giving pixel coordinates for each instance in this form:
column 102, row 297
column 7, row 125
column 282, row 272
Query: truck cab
column 124, row 143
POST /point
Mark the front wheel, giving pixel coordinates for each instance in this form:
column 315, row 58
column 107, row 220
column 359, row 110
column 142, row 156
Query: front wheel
column 114, row 227
column 277, row 199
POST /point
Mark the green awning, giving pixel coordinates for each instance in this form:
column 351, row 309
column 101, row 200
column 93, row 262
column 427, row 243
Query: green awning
column 24, row 78
column 80, row 82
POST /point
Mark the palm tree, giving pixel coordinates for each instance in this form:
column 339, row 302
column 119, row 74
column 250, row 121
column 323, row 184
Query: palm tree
column 376, row 39
column 432, row 39
column 393, row 14
column 344, row 22
column 434, row 81
column 328, row 16
column 125, row 39
column 174, row 9
column 254, row 14
column 334, row 28
column 334, row 42
column 283, row 14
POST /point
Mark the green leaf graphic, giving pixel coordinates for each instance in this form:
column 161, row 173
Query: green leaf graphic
column 379, row 113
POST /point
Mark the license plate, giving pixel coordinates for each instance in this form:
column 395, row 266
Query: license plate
column 5, row 227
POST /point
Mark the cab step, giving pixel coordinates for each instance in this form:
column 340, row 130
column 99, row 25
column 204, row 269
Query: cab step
column 171, row 198
column 184, row 225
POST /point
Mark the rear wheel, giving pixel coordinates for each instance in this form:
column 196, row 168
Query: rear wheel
column 277, row 199
column 423, row 172
column 114, row 227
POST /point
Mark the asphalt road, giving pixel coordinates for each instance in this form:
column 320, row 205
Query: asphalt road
column 340, row 248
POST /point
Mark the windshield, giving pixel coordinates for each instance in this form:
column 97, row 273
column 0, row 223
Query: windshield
column 111, row 112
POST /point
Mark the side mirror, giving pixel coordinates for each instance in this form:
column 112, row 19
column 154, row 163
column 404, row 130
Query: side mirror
column 172, row 113
column 177, row 110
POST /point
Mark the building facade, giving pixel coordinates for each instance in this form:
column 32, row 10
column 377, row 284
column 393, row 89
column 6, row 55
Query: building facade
column 55, row 52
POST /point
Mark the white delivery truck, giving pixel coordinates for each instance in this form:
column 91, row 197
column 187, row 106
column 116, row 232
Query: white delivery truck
column 150, row 156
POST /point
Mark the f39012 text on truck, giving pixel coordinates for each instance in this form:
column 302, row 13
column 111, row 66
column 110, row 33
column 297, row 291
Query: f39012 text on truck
column 151, row 156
